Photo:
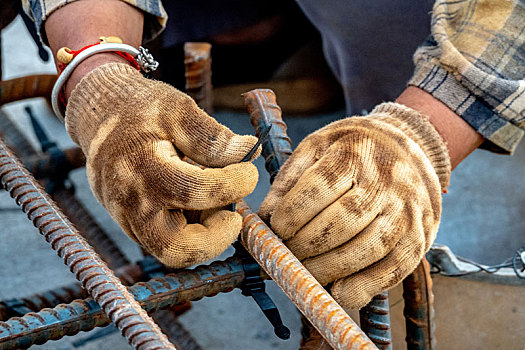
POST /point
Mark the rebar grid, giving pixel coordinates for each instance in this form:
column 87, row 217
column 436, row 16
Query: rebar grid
column 133, row 322
column 158, row 293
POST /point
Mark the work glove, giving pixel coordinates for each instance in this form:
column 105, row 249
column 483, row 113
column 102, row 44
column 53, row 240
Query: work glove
column 359, row 201
column 135, row 133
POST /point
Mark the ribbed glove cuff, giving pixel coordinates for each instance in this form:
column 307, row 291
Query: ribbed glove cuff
column 418, row 128
column 90, row 100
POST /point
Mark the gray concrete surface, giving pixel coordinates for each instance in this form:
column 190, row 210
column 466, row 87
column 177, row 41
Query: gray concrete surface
column 482, row 219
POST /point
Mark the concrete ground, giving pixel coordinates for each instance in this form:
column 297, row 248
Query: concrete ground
column 482, row 220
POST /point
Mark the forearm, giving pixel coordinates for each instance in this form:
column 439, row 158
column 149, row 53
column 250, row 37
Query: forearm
column 82, row 23
column 460, row 138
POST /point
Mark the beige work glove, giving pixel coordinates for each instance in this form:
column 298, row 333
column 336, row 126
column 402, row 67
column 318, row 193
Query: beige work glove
column 134, row 133
column 359, row 201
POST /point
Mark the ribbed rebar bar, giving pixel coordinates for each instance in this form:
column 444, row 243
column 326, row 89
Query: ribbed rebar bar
column 177, row 334
column 129, row 274
column 264, row 112
column 84, row 315
column 89, row 228
column 89, row 269
column 197, row 61
column 65, row 198
column 300, row 286
column 375, row 321
column 419, row 308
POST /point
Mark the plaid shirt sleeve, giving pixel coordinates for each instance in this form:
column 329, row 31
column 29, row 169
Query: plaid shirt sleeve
column 474, row 62
column 154, row 20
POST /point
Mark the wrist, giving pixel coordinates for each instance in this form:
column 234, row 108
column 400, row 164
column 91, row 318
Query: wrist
column 87, row 66
column 460, row 138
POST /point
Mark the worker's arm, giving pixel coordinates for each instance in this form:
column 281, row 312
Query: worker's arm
column 136, row 132
column 461, row 139
column 81, row 23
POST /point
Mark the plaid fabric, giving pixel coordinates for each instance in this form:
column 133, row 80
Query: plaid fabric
column 154, row 22
column 474, row 62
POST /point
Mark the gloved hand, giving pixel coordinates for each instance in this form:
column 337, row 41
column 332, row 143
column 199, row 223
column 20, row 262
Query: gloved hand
column 134, row 132
column 359, row 201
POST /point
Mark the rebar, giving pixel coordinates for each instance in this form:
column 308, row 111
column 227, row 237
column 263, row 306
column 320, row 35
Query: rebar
column 375, row 321
column 138, row 328
column 177, row 334
column 300, row 286
column 129, row 275
column 90, row 229
column 65, row 198
column 197, row 61
column 84, row 315
column 419, row 309
column 264, row 112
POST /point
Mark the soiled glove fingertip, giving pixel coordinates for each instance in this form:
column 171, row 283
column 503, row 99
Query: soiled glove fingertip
column 354, row 298
column 247, row 181
column 225, row 219
column 241, row 145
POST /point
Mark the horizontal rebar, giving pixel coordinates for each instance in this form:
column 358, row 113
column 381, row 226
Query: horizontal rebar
column 84, row 315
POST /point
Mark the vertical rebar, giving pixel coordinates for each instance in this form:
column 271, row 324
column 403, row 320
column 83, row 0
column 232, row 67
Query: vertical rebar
column 375, row 321
column 419, row 308
column 133, row 322
column 197, row 61
column 264, row 112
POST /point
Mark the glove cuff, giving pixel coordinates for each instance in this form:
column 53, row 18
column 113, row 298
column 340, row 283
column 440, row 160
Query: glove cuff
column 98, row 92
column 417, row 127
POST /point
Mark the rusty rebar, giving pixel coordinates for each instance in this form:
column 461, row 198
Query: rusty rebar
column 300, row 286
column 90, row 229
column 419, row 308
column 375, row 321
column 89, row 269
column 197, row 61
column 129, row 275
column 264, row 112
column 45, row 165
column 177, row 334
column 65, row 198
column 158, row 293
column 27, row 87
